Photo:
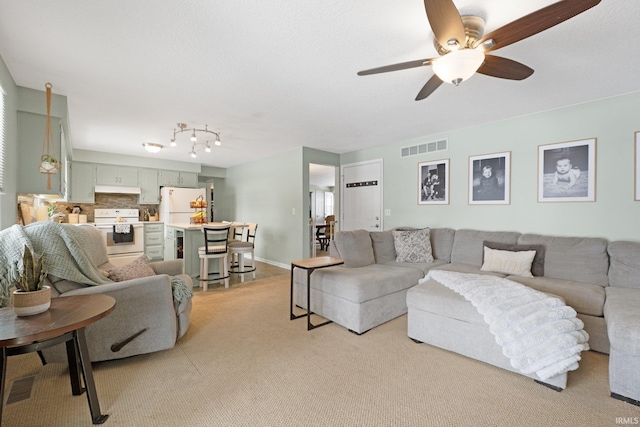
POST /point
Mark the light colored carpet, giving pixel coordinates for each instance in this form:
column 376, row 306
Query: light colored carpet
column 244, row 363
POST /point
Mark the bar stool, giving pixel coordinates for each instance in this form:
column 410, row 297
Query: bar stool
column 215, row 246
column 239, row 247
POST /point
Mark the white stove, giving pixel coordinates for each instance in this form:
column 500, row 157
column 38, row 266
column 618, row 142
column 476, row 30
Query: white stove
column 123, row 246
column 114, row 216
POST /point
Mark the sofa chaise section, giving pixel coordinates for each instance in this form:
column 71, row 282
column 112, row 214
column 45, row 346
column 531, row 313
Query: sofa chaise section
column 622, row 316
column 575, row 269
column 440, row 317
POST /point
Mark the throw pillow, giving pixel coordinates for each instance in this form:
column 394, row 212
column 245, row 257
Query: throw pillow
column 507, row 262
column 137, row 268
column 537, row 267
column 354, row 248
column 413, row 245
column 383, row 249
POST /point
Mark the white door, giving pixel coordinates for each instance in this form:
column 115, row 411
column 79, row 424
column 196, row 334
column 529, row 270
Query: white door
column 362, row 196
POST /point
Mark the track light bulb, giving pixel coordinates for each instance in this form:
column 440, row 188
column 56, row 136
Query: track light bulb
column 173, row 142
column 194, row 138
column 218, row 143
column 207, row 147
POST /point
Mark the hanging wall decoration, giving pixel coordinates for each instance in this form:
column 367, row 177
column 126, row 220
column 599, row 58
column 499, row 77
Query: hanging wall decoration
column 49, row 164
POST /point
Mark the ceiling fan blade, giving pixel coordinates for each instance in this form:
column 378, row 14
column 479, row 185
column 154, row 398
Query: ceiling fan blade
column 396, row 67
column 445, row 22
column 433, row 84
column 496, row 66
column 536, row 22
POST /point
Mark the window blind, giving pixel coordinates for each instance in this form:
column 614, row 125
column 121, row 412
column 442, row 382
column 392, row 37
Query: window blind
column 2, row 137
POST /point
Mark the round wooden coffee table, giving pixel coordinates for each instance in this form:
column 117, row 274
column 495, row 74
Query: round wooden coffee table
column 63, row 322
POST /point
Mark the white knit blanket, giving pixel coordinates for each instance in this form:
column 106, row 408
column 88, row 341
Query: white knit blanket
column 537, row 332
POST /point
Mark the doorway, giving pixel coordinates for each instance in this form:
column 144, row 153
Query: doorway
column 361, row 193
column 322, row 207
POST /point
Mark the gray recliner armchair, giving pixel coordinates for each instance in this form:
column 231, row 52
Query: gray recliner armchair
column 146, row 317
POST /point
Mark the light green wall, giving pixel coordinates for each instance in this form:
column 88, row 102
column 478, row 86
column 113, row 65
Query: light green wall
column 266, row 192
column 615, row 215
column 8, row 210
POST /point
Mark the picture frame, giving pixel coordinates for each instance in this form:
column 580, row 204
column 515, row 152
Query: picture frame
column 637, row 166
column 490, row 179
column 567, row 171
column 433, row 182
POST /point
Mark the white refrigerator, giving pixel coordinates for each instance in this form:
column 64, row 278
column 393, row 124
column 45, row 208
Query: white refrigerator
column 175, row 204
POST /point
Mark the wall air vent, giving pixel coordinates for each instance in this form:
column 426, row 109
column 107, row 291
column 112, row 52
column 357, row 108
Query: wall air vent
column 424, row 148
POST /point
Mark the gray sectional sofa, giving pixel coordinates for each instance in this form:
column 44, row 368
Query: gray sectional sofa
column 372, row 288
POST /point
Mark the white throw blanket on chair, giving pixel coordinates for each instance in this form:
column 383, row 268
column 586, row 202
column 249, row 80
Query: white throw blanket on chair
column 537, row 332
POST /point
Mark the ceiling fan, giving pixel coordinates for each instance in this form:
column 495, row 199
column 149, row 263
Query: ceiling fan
column 463, row 48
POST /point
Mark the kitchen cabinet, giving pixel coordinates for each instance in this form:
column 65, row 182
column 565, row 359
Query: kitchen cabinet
column 116, row 175
column 149, row 187
column 82, row 183
column 178, row 179
column 154, row 240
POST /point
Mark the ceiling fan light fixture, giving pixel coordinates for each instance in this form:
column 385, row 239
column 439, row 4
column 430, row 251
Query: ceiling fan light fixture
column 458, row 65
column 152, row 148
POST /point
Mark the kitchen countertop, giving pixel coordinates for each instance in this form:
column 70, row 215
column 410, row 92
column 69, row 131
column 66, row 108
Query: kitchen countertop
column 188, row 226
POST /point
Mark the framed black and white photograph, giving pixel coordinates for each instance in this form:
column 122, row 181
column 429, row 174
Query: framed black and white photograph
column 489, row 179
column 567, row 171
column 433, row 182
column 637, row 166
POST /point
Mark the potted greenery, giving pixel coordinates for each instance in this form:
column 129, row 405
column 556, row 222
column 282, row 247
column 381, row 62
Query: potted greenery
column 31, row 296
column 49, row 164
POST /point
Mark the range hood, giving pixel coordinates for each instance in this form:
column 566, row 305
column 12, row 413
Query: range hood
column 117, row 189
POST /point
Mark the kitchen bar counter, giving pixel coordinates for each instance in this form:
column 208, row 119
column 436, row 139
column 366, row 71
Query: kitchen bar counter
column 189, row 237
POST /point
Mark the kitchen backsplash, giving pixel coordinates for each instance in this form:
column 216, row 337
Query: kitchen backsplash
column 102, row 201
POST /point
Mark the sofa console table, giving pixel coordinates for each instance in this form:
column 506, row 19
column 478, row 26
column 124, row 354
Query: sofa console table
column 310, row 264
column 63, row 322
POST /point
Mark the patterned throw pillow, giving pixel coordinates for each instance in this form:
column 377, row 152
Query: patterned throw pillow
column 413, row 245
column 137, row 268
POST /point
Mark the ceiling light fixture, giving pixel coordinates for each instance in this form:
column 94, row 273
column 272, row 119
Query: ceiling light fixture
column 152, row 148
column 458, row 65
column 182, row 127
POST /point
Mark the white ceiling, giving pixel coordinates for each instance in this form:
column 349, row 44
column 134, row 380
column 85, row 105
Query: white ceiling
column 274, row 75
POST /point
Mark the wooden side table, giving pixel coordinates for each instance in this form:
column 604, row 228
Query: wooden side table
column 63, row 322
column 311, row 265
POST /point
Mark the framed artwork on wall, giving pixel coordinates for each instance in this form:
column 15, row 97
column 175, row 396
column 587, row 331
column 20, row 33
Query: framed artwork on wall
column 490, row 178
column 637, row 166
column 567, row 171
column 433, row 182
